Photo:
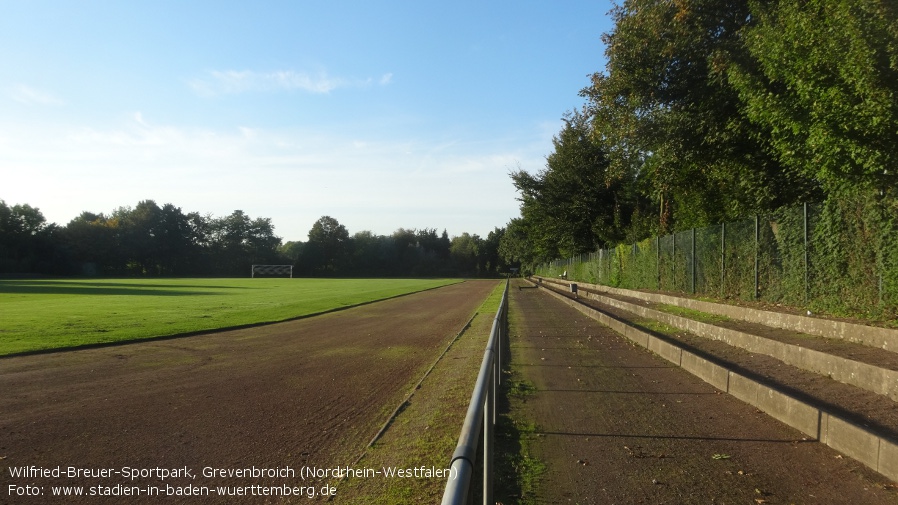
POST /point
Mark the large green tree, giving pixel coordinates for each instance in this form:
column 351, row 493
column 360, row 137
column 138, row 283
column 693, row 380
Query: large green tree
column 26, row 240
column 574, row 204
column 237, row 241
column 372, row 255
column 515, row 246
column 94, row 241
column 141, row 233
column 667, row 115
column 493, row 261
column 464, row 251
column 327, row 250
column 180, row 241
column 822, row 79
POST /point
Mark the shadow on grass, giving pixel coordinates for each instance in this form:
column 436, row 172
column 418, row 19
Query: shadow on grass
column 33, row 287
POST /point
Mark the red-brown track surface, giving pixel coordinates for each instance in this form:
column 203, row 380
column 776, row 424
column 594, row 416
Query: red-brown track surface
column 310, row 392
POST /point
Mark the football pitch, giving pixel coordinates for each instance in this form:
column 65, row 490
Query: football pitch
column 43, row 314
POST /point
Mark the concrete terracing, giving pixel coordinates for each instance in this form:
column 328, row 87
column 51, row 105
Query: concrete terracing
column 875, row 444
column 884, row 338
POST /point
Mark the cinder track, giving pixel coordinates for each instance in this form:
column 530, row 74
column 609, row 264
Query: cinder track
column 308, row 392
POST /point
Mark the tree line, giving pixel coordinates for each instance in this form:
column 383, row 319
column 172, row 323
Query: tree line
column 712, row 110
column 153, row 241
column 331, row 250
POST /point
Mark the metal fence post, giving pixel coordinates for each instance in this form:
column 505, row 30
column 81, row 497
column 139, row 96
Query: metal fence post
column 757, row 253
column 693, row 261
column 805, row 253
column 723, row 260
column 658, row 260
column 673, row 259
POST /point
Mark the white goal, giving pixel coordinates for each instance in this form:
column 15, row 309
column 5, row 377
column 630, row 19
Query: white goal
column 266, row 270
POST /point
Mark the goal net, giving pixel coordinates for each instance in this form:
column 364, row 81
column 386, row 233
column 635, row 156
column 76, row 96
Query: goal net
column 272, row 270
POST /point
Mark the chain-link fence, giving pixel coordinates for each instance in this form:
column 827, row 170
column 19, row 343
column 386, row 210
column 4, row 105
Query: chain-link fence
column 837, row 257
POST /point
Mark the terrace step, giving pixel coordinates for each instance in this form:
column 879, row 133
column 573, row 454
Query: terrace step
column 853, row 420
column 842, row 360
column 874, row 336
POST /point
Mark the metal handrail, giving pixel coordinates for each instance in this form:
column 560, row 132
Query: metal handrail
column 481, row 412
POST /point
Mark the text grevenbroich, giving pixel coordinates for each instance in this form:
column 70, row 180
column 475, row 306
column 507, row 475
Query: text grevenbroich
column 251, row 473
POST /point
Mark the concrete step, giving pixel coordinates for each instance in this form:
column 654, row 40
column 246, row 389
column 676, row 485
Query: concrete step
column 857, row 422
column 843, row 360
column 874, row 336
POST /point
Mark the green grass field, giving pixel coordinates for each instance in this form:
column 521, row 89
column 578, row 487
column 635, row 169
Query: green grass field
column 50, row 314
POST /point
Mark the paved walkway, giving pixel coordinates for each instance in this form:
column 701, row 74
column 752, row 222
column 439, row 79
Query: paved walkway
column 617, row 424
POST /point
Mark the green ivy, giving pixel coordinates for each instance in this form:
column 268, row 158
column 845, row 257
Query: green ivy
column 849, row 268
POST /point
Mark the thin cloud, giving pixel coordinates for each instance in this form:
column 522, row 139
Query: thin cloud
column 31, row 96
column 229, row 82
column 290, row 175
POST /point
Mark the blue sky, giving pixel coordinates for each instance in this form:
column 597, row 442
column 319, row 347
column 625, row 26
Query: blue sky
column 380, row 114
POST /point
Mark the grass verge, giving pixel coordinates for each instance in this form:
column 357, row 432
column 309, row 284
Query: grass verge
column 424, row 433
column 692, row 314
column 51, row 314
column 517, row 471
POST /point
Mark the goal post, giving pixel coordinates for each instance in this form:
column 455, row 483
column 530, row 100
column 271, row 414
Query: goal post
column 272, row 270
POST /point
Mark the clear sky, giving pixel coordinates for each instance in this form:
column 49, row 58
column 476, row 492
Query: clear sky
column 381, row 114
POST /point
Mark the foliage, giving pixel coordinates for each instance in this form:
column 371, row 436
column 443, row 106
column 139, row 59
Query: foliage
column 714, row 110
column 853, row 265
column 151, row 241
column 822, row 80
column 420, row 253
column 464, row 252
column 515, row 246
column 668, row 117
column 727, row 108
column 327, row 248
column 845, row 264
column 572, row 205
column 26, row 240
column 489, row 252
column 92, row 240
